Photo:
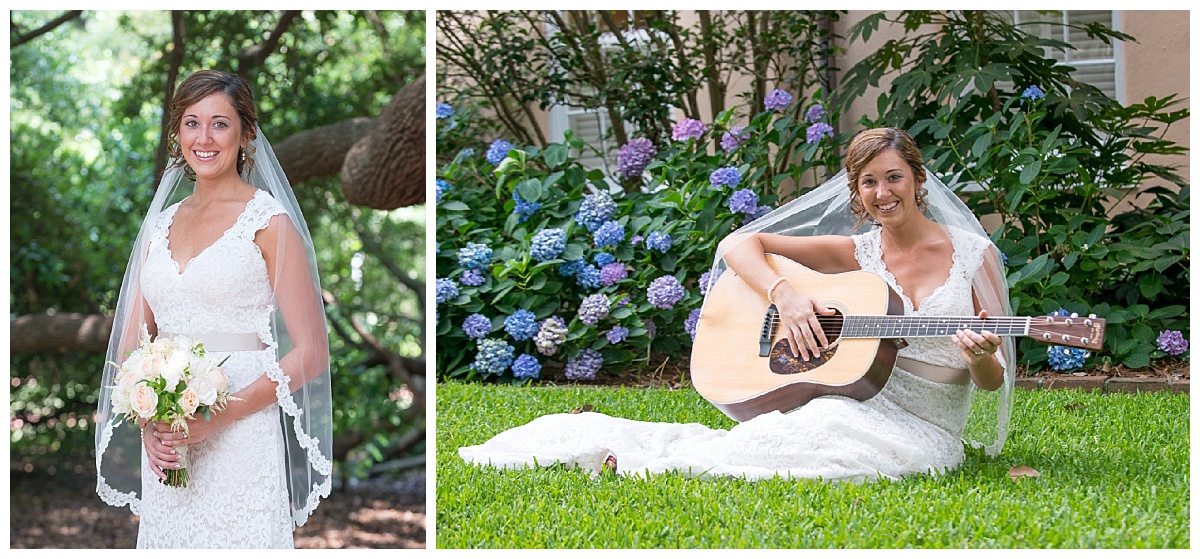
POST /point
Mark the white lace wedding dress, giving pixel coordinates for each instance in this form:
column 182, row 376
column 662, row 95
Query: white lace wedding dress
column 237, row 494
column 912, row 426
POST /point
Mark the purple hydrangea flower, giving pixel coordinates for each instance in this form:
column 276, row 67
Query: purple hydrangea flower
column 443, row 110
column 593, row 309
column 634, row 157
column 657, row 240
column 443, row 187
column 818, row 130
column 688, row 128
column 494, row 357
column 744, row 201
column 624, row 300
column 651, row 329
column 521, row 325
column 498, row 151
column 761, row 211
column 526, row 366
column 588, row 277
column 447, row 290
column 636, row 239
column 551, row 334
column 777, row 100
column 1172, row 342
column 664, row 292
column 547, row 244
column 595, row 210
column 815, row 113
column 474, row 255
column 725, row 176
column 612, row 273
column 477, row 326
column 617, row 335
column 1033, row 93
column 472, row 277
column 611, row 233
column 585, row 365
column 689, row 325
column 707, row 280
column 735, row 137
column 524, row 209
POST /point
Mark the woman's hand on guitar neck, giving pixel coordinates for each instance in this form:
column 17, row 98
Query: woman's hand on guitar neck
column 799, row 321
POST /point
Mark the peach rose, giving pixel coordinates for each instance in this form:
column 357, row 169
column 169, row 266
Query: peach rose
column 189, row 401
column 143, row 401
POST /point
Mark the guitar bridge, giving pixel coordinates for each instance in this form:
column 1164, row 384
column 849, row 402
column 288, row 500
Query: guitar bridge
column 767, row 333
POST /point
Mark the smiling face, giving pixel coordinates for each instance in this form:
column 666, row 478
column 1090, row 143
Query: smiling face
column 887, row 188
column 210, row 135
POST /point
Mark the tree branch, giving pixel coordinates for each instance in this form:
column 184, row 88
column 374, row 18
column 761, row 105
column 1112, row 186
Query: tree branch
column 254, row 55
column 174, row 62
column 22, row 39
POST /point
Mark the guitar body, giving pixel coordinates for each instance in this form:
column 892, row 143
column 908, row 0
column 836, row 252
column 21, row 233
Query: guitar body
column 729, row 372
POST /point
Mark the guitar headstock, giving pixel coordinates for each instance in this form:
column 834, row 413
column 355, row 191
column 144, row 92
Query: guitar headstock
column 1074, row 331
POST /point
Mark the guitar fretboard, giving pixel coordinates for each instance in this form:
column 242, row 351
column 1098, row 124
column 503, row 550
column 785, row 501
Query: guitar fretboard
column 862, row 326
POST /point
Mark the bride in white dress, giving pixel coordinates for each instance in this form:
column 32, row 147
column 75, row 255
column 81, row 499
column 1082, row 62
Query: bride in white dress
column 231, row 265
column 943, row 391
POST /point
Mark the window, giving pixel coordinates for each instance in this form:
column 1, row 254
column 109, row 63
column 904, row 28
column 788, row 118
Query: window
column 1095, row 63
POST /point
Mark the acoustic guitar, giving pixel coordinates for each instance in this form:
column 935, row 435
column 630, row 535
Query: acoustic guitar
column 745, row 368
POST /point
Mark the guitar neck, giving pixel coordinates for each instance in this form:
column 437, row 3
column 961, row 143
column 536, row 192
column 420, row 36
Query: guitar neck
column 888, row 326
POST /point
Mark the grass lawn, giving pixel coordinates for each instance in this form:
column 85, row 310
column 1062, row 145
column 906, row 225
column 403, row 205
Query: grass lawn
column 1114, row 473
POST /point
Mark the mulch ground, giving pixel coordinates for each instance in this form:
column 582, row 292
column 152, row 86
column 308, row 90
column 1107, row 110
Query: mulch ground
column 61, row 510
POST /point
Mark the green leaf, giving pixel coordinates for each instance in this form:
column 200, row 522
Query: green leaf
column 1030, row 171
column 1150, row 285
column 530, row 190
column 453, row 206
column 555, row 155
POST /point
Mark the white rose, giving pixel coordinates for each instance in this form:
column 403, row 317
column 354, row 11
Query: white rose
column 219, row 379
column 151, row 365
column 205, row 388
column 189, row 401
column 127, row 380
column 173, row 369
column 120, row 402
column 143, row 401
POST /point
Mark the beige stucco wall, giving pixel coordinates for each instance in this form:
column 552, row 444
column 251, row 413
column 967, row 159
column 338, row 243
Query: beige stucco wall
column 1157, row 65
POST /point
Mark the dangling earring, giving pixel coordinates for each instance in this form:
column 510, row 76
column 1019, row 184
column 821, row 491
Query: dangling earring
column 243, row 152
column 921, row 205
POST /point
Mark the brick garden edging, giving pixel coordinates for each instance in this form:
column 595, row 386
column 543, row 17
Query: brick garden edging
column 1106, row 384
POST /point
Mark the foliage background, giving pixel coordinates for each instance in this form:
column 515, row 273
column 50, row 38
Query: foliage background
column 85, row 107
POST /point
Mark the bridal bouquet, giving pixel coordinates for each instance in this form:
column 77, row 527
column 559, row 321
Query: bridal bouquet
column 170, row 380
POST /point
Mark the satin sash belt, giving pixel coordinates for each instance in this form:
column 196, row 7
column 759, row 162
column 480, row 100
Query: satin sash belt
column 223, row 341
column 935, row 373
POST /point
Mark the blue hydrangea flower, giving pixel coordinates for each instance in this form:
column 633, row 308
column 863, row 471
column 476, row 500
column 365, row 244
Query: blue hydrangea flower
column 1033, row 93
column 1172, row 342
column 443, row 110
column 777, row 100
column 657, row 240
column 1063, row 358
column 734, row 138
column 472, row 277
column 688, row 128
column 588, row 277
column 447, row 290
column 595, row 210
column 568, row 269
column 547, row 244
column 815, row 113
column 689, row 325
column 494, row 357
column 725, row 176
column 585, row 365
column 521, row 325
column 498, row 151
column 593, row 309
column 443, row 187
column 524, row 209
column 617, row 335
column 526, row 366
column 611, row 233
column 477, row 326
column 612, row 273
column 744, row 201
column 464, row 154
column 604, row 258
column 818, row 130
column 664, row 292
column 551, row 334
column 761, row 211
column 634, row 157
column 474, row 255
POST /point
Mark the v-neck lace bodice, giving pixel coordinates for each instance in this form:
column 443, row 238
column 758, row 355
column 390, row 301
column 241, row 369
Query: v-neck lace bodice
column 952, row 298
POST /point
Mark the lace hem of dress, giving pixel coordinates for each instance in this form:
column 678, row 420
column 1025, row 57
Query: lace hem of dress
column 107, row 493
column 311, row 445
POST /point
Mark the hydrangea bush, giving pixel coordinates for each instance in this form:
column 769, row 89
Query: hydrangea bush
column 542, row 263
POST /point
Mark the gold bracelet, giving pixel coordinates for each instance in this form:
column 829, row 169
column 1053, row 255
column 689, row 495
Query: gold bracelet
column 771, row 290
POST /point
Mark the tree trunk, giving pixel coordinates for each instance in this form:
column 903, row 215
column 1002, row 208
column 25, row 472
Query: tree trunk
column 59, row 332
column 385, row 170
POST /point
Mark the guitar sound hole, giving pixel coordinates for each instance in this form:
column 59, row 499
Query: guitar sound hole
column 783, row 362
